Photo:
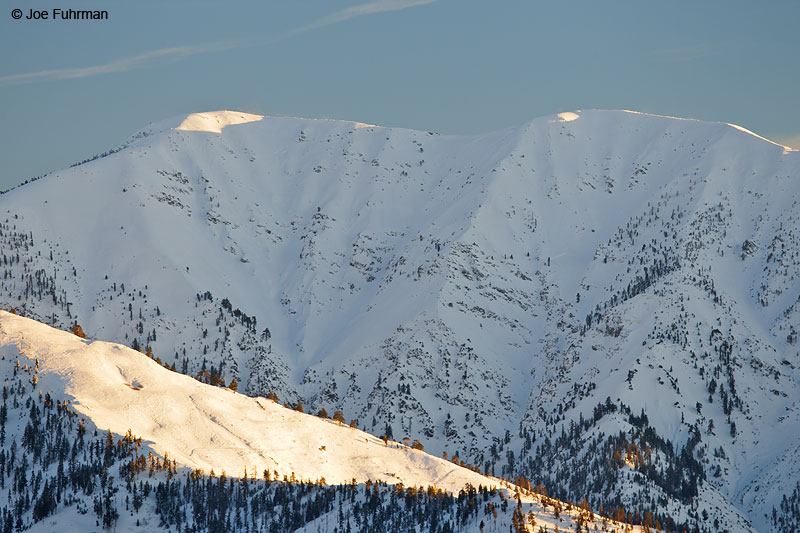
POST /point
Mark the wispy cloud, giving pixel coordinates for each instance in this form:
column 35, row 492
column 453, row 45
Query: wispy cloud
column 119, row 65
column 181, row 52
column 371, row 8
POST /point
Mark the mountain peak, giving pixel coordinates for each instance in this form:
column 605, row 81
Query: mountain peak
column 216, row 121
column 570, row 116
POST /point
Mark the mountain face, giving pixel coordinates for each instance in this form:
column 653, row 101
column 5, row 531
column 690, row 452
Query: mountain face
column 605, row 302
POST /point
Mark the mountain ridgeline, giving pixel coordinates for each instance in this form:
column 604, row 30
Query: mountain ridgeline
column 603, row 302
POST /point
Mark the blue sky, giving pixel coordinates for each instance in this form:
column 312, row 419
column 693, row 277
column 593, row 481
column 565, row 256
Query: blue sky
column 73, row 89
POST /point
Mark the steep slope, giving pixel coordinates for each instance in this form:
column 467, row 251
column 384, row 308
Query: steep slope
column 206, row 427
column 190, row 424
column 551, row 300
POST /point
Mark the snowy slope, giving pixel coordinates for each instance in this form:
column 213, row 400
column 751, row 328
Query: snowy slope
column 206, row 427
column 483, row 294
column 212, row 429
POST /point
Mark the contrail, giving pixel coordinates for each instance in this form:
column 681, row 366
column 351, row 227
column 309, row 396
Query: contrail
column 181, row 52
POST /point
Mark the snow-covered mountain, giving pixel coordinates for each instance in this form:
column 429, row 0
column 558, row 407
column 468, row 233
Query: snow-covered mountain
column 601, row 301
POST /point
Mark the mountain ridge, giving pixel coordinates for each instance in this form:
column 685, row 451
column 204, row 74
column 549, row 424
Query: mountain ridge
column 194, row 429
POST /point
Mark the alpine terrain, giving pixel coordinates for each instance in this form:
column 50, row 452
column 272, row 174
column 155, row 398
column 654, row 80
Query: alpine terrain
column 600, row 305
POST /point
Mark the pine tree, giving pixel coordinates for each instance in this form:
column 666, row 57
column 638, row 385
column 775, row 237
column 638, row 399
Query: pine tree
column 45, row 505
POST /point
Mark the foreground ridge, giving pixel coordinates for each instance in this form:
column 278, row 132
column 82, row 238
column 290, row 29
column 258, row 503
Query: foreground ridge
column 72, row 387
